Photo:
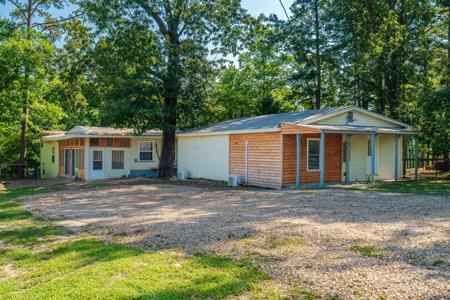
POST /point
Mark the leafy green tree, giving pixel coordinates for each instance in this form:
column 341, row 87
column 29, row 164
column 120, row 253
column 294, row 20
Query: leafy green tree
column 25, row 63
column 184, row 30
column 32, row 19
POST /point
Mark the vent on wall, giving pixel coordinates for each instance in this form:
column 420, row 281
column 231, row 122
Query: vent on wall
column 350, row 118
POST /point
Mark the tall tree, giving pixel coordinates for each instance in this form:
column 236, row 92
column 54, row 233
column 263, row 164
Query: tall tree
column 30, row 15
column 183, row 27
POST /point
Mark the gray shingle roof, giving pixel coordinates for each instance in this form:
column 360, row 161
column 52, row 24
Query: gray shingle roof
column 263, row 122
column 108, row 131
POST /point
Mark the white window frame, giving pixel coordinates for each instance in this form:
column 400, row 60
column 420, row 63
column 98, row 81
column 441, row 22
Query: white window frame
column 307, row 155
column 139, row 151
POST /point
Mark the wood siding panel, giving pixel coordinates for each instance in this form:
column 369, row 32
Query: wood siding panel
column 333, row 159
column 264, row 158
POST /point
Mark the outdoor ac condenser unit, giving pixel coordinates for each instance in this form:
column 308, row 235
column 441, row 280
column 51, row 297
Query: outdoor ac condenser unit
column 234, row 180
column 183, row 175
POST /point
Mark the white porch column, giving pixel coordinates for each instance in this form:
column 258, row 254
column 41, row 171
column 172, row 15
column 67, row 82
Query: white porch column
column 396, row 139
column 347, row 155
column 297, row 175
column 373, row 144
column 322, row 158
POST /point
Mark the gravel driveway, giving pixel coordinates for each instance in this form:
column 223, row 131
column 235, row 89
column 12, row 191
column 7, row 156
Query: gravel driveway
column 352, row 243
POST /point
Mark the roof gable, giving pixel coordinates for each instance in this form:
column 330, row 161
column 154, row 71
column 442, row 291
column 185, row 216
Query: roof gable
column 361, row 117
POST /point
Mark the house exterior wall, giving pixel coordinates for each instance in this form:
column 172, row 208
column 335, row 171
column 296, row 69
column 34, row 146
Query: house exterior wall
column 333, row 159
column 264, row 158
column 204, row 157
column 360, row 119
column 131, row 158
column 358, row 157
column 360, row 161
column 49, row 168
column 385, row 164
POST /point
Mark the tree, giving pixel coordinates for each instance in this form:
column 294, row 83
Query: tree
column 28, row 16
column 26, row 64
column 184, row 29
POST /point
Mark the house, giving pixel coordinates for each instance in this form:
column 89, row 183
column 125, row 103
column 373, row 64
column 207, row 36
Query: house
column 343, row 144
column 100, row 153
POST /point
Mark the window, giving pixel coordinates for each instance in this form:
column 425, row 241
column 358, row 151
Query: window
column 313, row 154
column 109, row 142
column 117, row 160
column 369, row 147
column 97, row 162
column 350, row 118
column 146, row 151
column 53, row 155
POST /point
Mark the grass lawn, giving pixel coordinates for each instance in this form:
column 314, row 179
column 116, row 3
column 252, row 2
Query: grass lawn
column 39, row 260
column 420, row 187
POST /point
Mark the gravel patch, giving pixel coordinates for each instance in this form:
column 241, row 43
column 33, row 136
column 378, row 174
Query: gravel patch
column 306, row 239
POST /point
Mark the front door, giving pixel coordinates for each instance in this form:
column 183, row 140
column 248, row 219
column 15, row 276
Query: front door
column 97, row 167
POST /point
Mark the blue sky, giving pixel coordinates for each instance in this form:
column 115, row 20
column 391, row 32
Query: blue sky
column 255, row 7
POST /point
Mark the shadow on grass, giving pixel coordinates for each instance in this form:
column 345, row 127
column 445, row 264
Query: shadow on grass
column 92, row 269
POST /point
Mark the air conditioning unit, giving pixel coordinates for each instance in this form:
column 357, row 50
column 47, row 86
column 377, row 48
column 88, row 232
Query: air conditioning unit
column 183, row 175
column 234, row 180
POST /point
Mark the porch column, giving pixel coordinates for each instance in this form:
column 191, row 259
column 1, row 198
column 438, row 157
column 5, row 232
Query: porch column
column 347, row 155
column 373, row 144
column 297, row 175
column 322, row 158
column 396, row 138
column 416, row 157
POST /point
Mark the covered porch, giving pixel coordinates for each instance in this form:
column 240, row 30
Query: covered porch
column 341, row 154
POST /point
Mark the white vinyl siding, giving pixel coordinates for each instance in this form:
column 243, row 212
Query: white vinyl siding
column 49, row 167
column 360, row 119
column 358, row 157
column 204, row 157
column 386, row 157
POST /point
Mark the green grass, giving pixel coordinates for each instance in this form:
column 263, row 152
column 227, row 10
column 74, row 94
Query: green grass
column 274, row 242
column 39, row 260
column 420, row 187
column 440, row 262
column 368, row 250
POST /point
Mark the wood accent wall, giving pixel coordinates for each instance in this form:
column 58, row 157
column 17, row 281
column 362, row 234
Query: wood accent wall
column 264, row 158
column 110, row 142
column 75, row 143
column 333, row 159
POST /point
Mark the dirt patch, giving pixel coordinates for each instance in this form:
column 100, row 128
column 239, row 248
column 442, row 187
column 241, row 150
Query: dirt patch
column 324, row 241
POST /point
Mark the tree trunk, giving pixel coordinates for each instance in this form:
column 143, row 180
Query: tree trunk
column 25, row 108
column 172, row 91
column 318, row 62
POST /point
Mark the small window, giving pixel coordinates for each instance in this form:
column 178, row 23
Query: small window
column 146, row 151
column 109, row 142
column 313, row 154
column 97, row 162
column 350, row 117
column 117, row 160
column 369, row 147
column 53, row 155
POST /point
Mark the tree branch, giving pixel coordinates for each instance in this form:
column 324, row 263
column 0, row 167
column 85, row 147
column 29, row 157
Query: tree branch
column 152, row 12
column 21, row 9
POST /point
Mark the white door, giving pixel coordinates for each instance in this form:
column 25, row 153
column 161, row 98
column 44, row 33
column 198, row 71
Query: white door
column 97, row 165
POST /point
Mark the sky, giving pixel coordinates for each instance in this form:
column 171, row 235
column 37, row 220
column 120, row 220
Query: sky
column 255, row 8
